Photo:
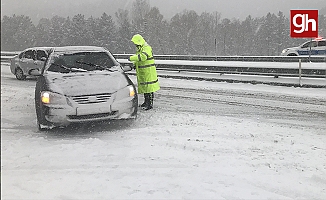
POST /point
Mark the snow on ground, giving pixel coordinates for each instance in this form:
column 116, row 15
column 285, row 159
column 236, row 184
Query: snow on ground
column 164, row 154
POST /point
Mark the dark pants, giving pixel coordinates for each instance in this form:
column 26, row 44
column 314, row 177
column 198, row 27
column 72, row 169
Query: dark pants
column 149, row 98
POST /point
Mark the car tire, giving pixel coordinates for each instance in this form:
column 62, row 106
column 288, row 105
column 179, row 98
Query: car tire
column 20, row 74
column 135, row 113
column 42, row 123
column 41, row 127
column 292, row 54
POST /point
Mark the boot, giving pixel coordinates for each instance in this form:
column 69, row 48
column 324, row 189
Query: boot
column 150, row 101
column 146, row 97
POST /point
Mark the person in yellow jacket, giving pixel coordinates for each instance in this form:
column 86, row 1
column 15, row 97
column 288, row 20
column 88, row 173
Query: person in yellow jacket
column 146, row 71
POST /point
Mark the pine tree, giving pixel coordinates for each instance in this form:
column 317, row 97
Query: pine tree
column 124, row 32
column 56, row 32
column 156, row 30
column 107, row 33
column 79, row 34
column 17, row 33
column 43, row 32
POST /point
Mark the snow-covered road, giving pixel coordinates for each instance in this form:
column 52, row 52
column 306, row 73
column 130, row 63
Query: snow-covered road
column 203, row 140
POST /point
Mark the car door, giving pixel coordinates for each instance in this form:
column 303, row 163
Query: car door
column 27, row 61
column 305, row 49
column 321, row 48
column 41, row 56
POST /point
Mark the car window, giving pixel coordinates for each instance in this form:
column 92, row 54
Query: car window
column 307, row 45
column 99, row 58
column 21, row 55
column 321, row 43
column 313, row 44
column 40, row 54
column 59, row 65
column 29, row 54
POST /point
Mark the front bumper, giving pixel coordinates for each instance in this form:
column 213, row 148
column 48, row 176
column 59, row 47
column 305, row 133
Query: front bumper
column 64, row 115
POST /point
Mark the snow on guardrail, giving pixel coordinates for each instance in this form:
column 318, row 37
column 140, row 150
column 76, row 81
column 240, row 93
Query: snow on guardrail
column 234, row 58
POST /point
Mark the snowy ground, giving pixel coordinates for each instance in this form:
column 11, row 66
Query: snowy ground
column 203, row 140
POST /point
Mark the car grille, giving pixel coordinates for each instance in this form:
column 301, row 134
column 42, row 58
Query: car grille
column 92, row 116
column 91, row 99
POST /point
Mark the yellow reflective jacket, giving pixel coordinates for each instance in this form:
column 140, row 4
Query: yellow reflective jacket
column 145, row 66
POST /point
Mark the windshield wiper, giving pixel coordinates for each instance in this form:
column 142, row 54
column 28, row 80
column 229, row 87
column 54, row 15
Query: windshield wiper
column 78, row 69
column 73, row 69
column 94, row 65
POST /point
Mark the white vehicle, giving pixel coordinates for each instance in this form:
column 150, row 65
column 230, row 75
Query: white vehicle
column 27, row 60
column 82, row 84
column 313, row 48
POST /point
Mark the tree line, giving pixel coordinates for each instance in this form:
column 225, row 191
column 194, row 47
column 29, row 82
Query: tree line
column 186, row 33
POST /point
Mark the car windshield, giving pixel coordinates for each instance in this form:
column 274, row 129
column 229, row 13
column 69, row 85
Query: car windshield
column 81, row 62
column 307, row 45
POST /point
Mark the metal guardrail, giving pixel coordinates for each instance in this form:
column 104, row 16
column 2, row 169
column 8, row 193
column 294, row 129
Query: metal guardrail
column 247, row 67
column 234, row 58
column 5, row 58
column 275, row 69
column 250, row 64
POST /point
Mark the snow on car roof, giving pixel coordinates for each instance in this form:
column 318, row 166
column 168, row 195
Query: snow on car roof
column 38, row 48
column 78, row 48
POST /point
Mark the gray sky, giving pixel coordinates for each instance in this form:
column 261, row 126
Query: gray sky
column 240, row 9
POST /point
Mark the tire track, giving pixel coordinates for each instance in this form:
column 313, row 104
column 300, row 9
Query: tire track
column 254, row 99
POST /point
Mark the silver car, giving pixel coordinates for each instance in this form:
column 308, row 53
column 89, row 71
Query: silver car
column 27, row 60
column 82, row 84
column 313, row 48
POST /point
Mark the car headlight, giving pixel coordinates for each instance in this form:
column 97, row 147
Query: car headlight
column 131, row 91
column 284, row 50
column 128, row 91
column 53, row 98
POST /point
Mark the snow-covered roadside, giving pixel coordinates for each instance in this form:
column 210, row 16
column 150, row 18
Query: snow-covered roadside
column 164, row 154
column 180, row 156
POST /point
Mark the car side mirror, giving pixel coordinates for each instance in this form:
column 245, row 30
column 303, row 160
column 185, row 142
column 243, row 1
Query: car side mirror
column 126, row 68
column 35, row 72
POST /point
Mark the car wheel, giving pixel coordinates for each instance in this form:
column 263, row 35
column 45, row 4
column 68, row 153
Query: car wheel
column 20, row 74
column 292, row 54
column 42, row 127
column 42, row 123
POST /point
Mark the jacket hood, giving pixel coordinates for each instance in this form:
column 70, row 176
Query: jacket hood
column 138, row 40
column 86, row 84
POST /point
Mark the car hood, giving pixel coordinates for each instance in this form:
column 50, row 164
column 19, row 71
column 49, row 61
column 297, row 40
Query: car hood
column 75, row 84
column 293, row 48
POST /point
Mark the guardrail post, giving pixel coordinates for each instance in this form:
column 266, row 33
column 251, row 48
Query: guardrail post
column 300, row 83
